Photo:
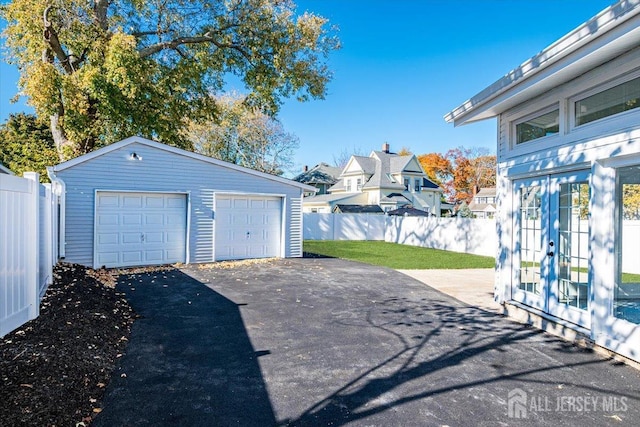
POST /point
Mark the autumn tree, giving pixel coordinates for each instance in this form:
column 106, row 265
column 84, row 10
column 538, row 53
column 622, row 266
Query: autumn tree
column 246, row 136
column 405, row 151
column 102, row 70
column 26, row 145
column 437, row 167
column 460, row 170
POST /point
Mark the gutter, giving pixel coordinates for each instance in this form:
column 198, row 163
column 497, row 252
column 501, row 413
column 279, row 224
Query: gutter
column 59, row 188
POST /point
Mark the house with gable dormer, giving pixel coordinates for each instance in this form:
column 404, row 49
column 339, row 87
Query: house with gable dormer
column 483, row 204
column 382, row 182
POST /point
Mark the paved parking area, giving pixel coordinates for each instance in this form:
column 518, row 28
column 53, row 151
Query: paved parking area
column 330, row 342
column 474, row 286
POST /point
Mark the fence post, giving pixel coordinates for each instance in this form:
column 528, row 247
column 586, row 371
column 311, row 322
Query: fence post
column 48, row 238
column 32, row 244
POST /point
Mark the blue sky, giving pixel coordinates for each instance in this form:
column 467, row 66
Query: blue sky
column 404, row 64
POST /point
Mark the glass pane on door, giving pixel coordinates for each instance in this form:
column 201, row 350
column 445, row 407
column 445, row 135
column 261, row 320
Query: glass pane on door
column 530, row 239
column 573, row 245
column 626, row 298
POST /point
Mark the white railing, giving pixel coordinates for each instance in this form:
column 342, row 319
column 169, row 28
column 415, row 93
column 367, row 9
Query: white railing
column 28, row 238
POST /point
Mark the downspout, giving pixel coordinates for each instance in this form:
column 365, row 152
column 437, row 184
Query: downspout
column 59, row 188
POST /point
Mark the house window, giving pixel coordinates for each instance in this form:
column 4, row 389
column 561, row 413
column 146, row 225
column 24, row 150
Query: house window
column 620, row 98
column 626, row 298
column 416, row 185
column 347, row 185
column 538, row 126
column 406, row 184
column 359, row 184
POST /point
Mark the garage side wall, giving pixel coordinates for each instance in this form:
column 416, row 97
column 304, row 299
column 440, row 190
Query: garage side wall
column 158, row 170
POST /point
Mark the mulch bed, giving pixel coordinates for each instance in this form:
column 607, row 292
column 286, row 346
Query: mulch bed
column 54, row 369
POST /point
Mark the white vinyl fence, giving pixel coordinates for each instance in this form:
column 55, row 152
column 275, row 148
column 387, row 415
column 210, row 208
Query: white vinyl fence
column 28, row 238
column 472, row 236
column 475, row 236
column 328, row 226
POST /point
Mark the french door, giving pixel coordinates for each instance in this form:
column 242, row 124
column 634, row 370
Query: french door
column 551, row 242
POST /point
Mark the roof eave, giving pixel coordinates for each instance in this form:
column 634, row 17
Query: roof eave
column 144, row 141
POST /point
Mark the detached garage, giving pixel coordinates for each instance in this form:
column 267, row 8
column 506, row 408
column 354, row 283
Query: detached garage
column 139, row 202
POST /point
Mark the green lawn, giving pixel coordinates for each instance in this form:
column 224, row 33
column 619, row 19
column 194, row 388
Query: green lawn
column 396, row 256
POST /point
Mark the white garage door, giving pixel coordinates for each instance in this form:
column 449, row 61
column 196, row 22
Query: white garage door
column 140, row 229
column 247, row 227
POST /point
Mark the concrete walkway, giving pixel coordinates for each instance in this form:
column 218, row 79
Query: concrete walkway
column 472, row 286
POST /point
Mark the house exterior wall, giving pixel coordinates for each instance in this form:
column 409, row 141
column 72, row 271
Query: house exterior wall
column 163, row 171
column 598, row 148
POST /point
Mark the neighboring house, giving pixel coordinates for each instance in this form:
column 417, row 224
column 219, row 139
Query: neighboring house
column 483, row 204
column 5, row 170
column 357, row 209
column 384, row 179
column 322, row 176
column 568, row 175
column 408, row 211
column 140, row 202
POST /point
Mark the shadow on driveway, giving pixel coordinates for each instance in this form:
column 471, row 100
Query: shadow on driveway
column 189, row 362
column 344, row 343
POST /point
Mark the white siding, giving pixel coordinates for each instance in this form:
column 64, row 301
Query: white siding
column 160, row 171
column 576, row 140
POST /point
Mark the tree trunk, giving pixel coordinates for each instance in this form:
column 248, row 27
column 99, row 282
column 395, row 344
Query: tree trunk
column 62, row 143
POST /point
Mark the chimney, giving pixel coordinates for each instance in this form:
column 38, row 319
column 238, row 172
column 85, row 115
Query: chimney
column 385, row 147
column 306, row 168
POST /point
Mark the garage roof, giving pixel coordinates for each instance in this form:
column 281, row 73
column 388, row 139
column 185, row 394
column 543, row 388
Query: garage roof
column 180, row 152
column 609, row 34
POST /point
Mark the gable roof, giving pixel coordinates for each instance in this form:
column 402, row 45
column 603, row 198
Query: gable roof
column 610, row 33
column 321, row 173
column 367, row 164
column 357, row 209
column 408, row 211
column 395, row 198
column 486, row 192
column 387, row 164
column 178, row 151
column 380, row 166
column 427, row 183
column 5, row 170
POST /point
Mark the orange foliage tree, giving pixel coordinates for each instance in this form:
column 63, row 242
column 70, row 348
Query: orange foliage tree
column 460, row 170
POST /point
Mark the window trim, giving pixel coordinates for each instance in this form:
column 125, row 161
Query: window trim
column 602, row 87
column 540, row 112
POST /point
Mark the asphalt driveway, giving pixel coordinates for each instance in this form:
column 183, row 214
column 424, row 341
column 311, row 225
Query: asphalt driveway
column 332, row 342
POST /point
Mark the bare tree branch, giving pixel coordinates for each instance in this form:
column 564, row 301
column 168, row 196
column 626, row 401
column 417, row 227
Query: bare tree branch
column 175, row 43
column 51, row 37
